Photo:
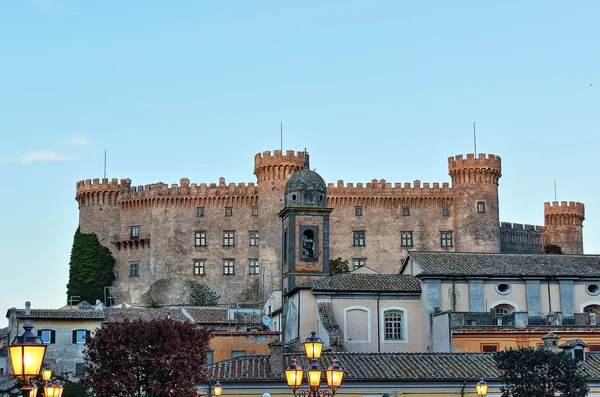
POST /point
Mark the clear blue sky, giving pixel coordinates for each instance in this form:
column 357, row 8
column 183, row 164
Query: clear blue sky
column 373, row 89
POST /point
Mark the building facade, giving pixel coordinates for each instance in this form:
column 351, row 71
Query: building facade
column 229, row 236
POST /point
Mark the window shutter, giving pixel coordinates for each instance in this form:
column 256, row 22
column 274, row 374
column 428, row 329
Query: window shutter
column 53, row 336
column 75, row 336
column 40, row 333
column 87, row 335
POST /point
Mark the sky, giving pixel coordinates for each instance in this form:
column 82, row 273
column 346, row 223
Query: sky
column 372, row 89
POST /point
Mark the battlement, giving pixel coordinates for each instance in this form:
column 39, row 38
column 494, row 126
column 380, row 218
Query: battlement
column 98, row 185
column 482, row 160
column 184, row 188
column 507, row 226
column 277, row 166
column 382, row 187
column 564, row 208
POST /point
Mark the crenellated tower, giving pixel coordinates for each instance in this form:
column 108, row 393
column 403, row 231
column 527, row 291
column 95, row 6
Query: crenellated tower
column 475, row 206
column 99, row 210
column 563, row 226
column 272, row 173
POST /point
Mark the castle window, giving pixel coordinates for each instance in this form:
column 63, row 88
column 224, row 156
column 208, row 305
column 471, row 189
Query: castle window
column 405, row 211
column 446, row 239
column 392, row 325
column 253, row 239
column 229, row 238
column 407, row 239
column 359, row 238
column 134, row 232
column 134, row 269
column 254, row 211
column 253, row 266
column 200, row 239
column 228, row 266
column 445, row 211
column 358, row 211
column 480, row 206
column 199, row 267
column 200, row 211
column 359, row 262
column 228, row 211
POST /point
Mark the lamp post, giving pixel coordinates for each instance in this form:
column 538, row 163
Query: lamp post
column 53, row 389
column 481, row 388
column 313, row 347
column 26, row 356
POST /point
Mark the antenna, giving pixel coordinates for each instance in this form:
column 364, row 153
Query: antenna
column 474, row 140
column 555, row 191
column 281, row 135
column 104, row 163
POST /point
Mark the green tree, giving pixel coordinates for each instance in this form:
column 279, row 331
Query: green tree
column 530, row 372
column 552, row 249
column 155, row 358
column 90, row 268
column 338, row 266
column 203, row 295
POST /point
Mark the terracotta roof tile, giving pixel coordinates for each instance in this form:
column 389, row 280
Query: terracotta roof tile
column 59, row 314
column 367, row 283
column 208, row 315
column 144, row 313
column 466, row 263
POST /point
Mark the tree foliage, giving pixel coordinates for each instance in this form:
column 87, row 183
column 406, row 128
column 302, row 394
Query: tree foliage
column 530, row 372
column 160, row 357
column 90, row 268
column 552, row 249
column 203, row 295
column 338, row 266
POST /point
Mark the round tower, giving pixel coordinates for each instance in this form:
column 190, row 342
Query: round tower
column 99, row 209
column 475, row 203
column 563, row 226
column 272, row 172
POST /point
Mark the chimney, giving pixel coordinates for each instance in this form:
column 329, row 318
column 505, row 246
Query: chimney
column 27, row 308
column 276, row 359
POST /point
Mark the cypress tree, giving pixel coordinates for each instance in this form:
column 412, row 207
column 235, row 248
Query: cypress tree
column 90, row 268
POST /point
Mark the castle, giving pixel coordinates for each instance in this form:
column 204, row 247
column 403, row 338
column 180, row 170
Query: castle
column 229, row 236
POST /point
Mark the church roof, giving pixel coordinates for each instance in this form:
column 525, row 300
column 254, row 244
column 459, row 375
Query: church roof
column 367, row 283
column 487, row 264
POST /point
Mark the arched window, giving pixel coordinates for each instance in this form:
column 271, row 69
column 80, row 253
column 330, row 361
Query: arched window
column 393, row 325
column 503, row 309
column 592, row 309
column 308, row 244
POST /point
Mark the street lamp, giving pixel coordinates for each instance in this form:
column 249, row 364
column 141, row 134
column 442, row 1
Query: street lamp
column 218, row 389
column 313, row 346
column 46, row 372
column 26, row 356
column 481, row 388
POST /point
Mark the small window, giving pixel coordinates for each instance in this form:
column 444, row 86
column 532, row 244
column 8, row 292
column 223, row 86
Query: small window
column 229, row 238
column 359, row 262
column 238, row 353
column 308, row 244
column 47, row 335
column 489, row 348
column 254, row 211
column 254, row 239
column 79, row 368
column 200, row 211
column 228, row 266
column 210, row 357
column 358, row 211
column 199, row 267
column 393, row 325
column 134, row 231
column 503, row 288
column 359, row 238
column 79, row 335
column 134, row 269
column 253, row 266
column 593, row 289
column 445, row 211
column 407, row 239
column 228, row 211
column 446, row 239
column 480, row 206
column 405, row 211
column 200, row 239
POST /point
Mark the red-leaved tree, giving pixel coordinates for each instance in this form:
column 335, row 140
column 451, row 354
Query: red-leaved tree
column 154, row 358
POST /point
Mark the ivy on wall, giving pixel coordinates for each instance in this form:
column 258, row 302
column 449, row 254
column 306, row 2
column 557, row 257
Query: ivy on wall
column 90, row 268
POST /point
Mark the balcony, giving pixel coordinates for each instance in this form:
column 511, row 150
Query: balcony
column 522, row 320
column 124, row 241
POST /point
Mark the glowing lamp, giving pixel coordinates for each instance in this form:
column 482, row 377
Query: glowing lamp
column 218, row 389
column 481, row 388
column 314, row 374
column 334, row 375
column 53, row 389
column 313, row 346
column 294, row 374
column 27, row 354
column 46, row 372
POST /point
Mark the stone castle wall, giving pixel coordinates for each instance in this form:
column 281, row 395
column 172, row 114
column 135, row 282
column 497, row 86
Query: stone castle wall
column 167, row 220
